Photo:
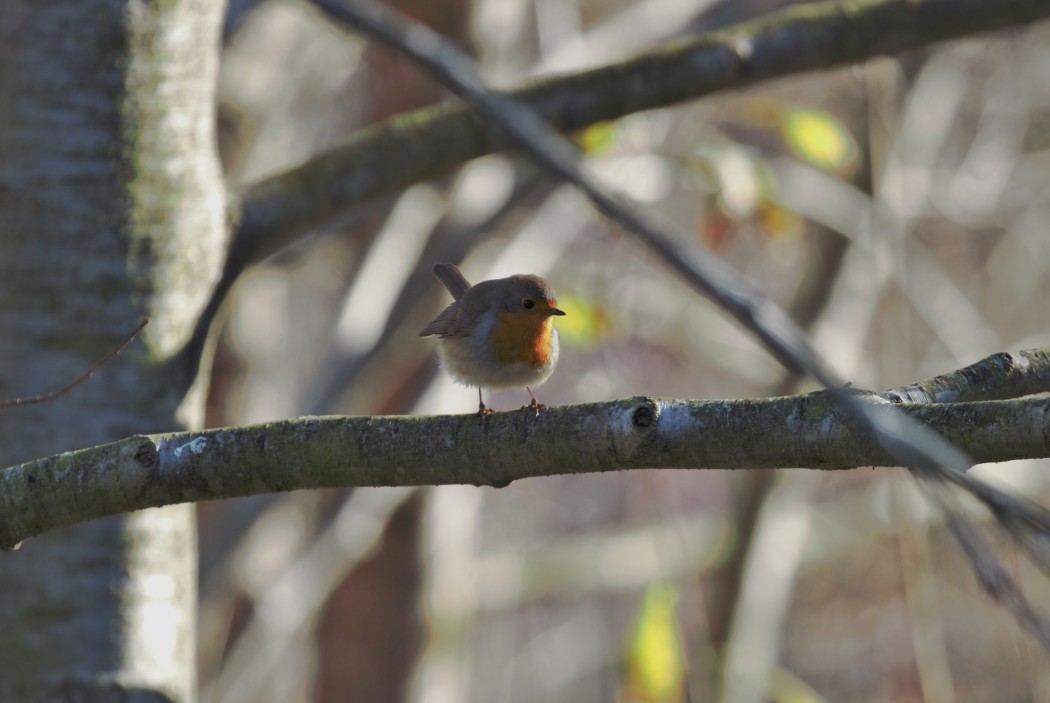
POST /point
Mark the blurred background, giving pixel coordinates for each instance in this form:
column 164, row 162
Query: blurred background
column 897, row 209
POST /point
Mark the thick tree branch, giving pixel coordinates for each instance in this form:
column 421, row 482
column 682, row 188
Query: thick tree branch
column 1000, row 376
column 315, row 452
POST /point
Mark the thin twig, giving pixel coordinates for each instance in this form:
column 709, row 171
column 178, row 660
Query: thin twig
column 46, row 397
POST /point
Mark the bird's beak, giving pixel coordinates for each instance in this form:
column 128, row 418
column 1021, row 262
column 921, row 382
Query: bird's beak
column 555, row 311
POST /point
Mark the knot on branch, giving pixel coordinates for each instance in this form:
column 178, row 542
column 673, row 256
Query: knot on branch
column 644, row 416
column 633, row 423
column 146, row 454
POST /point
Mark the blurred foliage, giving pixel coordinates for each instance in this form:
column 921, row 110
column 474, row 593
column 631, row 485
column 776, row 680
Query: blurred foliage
column 821, row 140
column 744, row 192
column 789, row 688
column 585, row 325
column 655, row 663
column 598, row 138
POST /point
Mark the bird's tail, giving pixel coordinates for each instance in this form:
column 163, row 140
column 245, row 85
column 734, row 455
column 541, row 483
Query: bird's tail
column 452, row 278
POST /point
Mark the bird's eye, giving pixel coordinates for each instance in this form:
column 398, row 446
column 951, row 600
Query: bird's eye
column 528, row 303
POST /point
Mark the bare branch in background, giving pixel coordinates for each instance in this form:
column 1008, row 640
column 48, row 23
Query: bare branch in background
column 419, row 145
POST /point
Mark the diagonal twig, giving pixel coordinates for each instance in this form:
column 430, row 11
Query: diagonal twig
column 51, row 395
column 908, row 443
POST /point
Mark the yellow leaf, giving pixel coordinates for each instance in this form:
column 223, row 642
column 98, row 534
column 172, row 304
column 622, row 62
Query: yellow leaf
column 584, row 324
column 789, row 688
column 776, row 221
column 597, row 138
column 655, row 671
column 822, row 140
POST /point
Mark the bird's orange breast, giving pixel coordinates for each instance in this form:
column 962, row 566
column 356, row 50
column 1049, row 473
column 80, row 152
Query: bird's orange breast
column 521, row 339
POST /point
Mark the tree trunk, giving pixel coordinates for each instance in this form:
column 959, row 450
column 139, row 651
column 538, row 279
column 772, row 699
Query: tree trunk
column 111, row 208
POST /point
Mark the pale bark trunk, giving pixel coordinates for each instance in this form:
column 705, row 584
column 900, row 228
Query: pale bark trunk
column 111, row 208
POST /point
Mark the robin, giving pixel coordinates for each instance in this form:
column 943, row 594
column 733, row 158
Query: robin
column 497, row 334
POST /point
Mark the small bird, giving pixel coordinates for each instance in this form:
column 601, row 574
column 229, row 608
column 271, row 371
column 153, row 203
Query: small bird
column 497, row 334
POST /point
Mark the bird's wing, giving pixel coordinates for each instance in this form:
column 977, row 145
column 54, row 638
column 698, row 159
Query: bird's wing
column 446, row 324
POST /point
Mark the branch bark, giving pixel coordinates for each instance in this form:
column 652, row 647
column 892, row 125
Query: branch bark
column 314, row 452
